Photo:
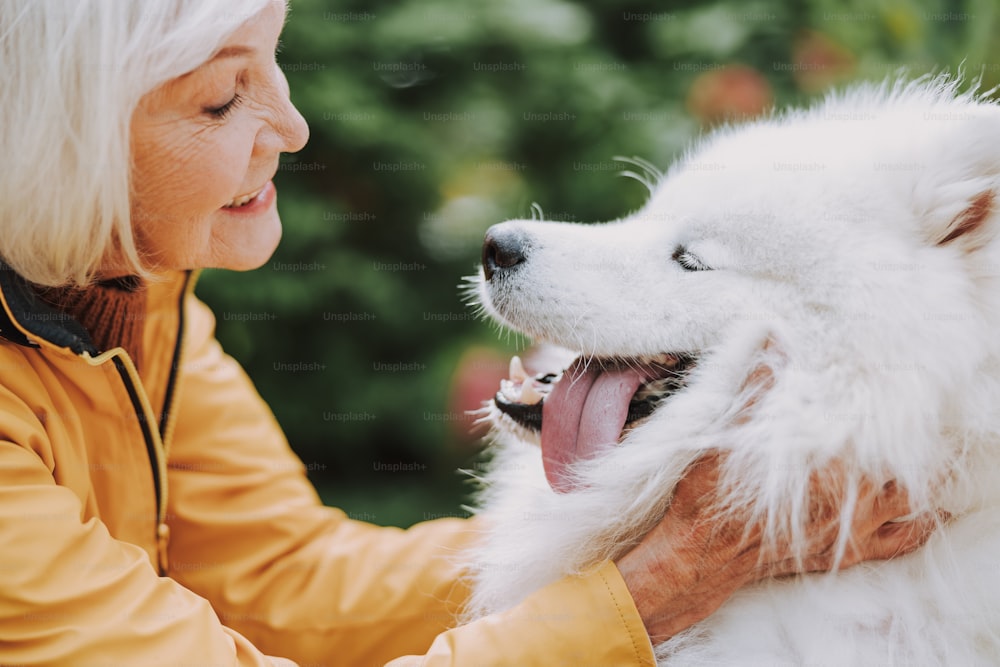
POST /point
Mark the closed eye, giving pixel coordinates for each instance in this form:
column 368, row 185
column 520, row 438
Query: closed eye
column 687, row 261
column 223, row 112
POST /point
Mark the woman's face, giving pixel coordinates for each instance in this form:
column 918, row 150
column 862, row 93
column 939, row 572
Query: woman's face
column 205, row 147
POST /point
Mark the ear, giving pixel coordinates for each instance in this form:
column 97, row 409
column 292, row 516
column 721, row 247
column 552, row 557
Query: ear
column 970, row 229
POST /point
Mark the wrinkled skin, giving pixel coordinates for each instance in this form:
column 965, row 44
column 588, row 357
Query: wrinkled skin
column 691, row 563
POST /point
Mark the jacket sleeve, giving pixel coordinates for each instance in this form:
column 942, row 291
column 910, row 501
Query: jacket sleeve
column 71, row 594
column 587, row 620
column 249, row 533
column 304, row 581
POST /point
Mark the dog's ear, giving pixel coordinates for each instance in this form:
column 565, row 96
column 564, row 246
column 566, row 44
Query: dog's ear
column 970, row 228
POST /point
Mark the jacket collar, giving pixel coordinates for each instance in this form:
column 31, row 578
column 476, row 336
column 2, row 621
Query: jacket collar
column 25, row 319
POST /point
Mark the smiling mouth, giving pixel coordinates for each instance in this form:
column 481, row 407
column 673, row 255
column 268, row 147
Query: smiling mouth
column 244, row 200
column 523, row 398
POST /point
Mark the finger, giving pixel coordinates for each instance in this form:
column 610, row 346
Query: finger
column 827, row 488
column 891, row 503
column 791, row 566
column 708, row 463
column 701, row 476
column 899, row 538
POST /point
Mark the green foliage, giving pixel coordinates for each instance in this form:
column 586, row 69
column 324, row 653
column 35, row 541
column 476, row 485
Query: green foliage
column 431, row 120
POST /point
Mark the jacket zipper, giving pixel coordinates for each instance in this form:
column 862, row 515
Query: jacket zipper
column 166, row 419
column 152, row 447
column 155, row 439
column 151, row 437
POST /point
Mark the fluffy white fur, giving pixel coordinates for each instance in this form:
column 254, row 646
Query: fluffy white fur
column 827, row 232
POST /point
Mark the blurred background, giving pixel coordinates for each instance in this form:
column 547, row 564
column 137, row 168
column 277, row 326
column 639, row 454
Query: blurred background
column 433, row 119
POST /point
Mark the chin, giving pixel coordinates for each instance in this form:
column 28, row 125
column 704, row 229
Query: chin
column 240, row 247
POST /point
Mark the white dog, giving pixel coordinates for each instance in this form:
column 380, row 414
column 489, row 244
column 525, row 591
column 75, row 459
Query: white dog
column 850, row 251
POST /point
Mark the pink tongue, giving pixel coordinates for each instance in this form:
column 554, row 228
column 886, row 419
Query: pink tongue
column 584, row 414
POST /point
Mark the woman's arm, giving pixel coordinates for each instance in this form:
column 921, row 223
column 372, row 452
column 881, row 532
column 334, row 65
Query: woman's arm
column 248, row 532
column 684, row 570
column 71, row 594
column 303, row 581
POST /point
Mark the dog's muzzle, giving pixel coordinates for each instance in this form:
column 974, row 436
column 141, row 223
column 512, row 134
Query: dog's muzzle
column 504, row 248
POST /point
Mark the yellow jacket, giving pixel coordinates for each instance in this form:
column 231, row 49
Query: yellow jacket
column 161, row 519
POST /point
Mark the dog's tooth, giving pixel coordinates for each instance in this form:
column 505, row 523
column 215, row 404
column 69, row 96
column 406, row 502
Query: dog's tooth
column 530, row 395
column 509, row 391
column 516, row 371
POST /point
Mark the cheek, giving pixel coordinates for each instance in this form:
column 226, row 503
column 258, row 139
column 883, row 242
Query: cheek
column 189, row 173
column 181, row 179
column 214, row 170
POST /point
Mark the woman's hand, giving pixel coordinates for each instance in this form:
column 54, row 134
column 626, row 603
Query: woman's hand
column 690, row 563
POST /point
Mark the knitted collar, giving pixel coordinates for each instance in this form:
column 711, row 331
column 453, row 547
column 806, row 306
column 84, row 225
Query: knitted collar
column 112, row 312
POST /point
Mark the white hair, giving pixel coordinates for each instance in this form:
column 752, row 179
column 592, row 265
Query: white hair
column 72, row 75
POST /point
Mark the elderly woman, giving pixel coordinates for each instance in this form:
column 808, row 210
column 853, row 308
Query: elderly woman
column 151, row 511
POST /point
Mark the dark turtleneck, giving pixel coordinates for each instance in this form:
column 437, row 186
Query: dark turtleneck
column 112, row 311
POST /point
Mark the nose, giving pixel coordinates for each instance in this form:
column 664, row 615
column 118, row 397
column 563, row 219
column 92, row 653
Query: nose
column 290, row 125
column 294, row 130
column 285, row 130
column 503, row 248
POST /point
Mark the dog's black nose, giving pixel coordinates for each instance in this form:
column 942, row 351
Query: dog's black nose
column 503, row 248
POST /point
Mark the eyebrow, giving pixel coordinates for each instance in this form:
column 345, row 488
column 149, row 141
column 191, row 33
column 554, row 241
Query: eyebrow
column 233, row 52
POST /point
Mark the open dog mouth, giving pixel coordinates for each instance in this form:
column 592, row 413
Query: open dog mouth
column 590, row 405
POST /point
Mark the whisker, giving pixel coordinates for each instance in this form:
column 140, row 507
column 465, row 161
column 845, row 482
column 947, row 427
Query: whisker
column 536, row 211
column 650, row 175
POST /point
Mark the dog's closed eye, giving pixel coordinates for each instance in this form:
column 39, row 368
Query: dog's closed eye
column 687, row 261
